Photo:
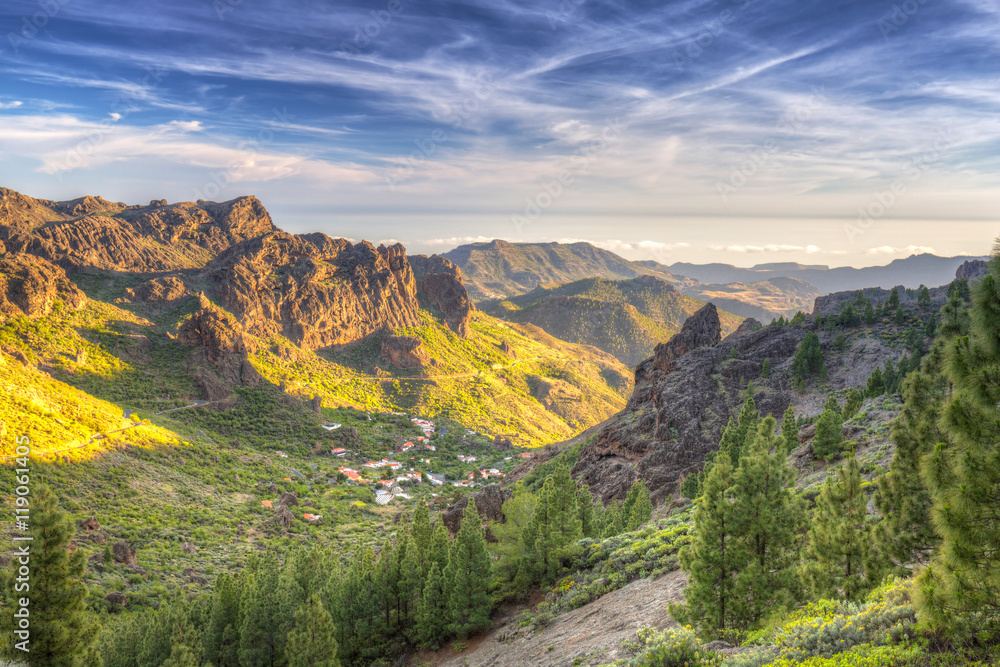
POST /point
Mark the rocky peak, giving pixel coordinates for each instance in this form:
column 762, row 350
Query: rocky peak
column 31, row 286
column 440, row 282
column 701, row 329
column 315, row 290
column 223, row 345
column 974, row 269
column 747, row 326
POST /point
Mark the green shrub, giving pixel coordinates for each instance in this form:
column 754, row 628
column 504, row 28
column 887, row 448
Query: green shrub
column 673, row 647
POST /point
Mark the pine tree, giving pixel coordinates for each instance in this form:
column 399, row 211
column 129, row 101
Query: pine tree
column 515, row 541
column 869, row 313
column 808, row 364
column 765, row 369
column 963, row 472
column 62, row 629
column 468, row 573
column 789, row 427
column 421, row 533
column 585, row 508
column 313, row 640
column 839, row 343
column 832, row 404
column 829, row 440
column 767, row 519
column 641, row 509
column 840, row 553
column 556, row 524
column 689, row 486
column 876, row 383
column 259, row 607
column 852, row 404
column 899, row 315
column 712, row 559
column 222, row 640
column 893, row 302
column 924, row 297
column 432, row 618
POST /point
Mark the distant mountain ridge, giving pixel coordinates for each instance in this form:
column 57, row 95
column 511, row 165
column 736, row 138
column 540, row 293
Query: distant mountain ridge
column 499, row 269
column 626, row 318
column 913, row 271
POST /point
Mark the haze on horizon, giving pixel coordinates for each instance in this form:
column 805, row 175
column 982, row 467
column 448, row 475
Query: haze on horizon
column 736, row 131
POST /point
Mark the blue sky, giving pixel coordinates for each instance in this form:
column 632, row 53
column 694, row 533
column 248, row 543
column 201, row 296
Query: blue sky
column 742, row 131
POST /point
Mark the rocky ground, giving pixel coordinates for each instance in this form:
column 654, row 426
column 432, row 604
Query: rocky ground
column 593, row 633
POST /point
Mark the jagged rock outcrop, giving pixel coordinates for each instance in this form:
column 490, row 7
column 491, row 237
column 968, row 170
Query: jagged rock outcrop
column 974, row 269
column 701, row 329
column 747, row 326
column 124, row 554
column 315, row 290
column 159, row 292
column 222, row 343
column 441, row 284
column 31, row 286
column 405, row 352
column 679, row 407
column 832, row 304
column 92, row 234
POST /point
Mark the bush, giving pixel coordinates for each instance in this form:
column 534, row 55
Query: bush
column 673, row 647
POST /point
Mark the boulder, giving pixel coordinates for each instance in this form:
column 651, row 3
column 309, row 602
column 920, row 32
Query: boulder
column 405, row 351
column 90, row 524
column 116, row 598
column 489, row 503
column 288, row 499
column 502, row 443
column 124, row 554
column 161, row 292
column 189, row 548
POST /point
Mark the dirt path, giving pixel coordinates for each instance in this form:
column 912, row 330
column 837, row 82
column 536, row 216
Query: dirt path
column 593, row 633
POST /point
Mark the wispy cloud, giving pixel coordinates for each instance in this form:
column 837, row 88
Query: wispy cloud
column 907, row 250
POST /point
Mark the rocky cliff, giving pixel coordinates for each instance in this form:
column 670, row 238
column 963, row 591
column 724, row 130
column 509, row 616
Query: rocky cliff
column 31, row 286
column 440, row 282
column 315, row 290
column 221, row 343
column 683, row 397
column 92, row 234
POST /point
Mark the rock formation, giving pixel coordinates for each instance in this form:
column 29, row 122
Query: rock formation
column 974, row 269
column 440, row 282
column 405, row 352
column 682, row 399
column 222, row 344
column 159, row 292
column 315, row 290
column 701, row 329
column 91, row 234
column 31, row 286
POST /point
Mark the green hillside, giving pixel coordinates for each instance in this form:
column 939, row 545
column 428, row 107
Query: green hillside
column 626, row 318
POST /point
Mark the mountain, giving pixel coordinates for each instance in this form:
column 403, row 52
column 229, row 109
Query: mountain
column 764, row 300
column 499, row 269
column 626, row 318
column 915, row 270
column 238, row 306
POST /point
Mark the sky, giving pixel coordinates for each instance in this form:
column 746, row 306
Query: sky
column 843, row 132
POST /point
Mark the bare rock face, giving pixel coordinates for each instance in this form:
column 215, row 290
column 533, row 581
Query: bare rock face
column 288, row 499
column 315, row 290
column 701, row 329
column 441, row 283
column 91, row 234
column 405, row 352
column 124, row 554
column 675, row 416
column 975, row 269
column 31, row 286
column 90, row 524
column 223, row 345
column 160, row 292
column 746, row 326
column 489, row 503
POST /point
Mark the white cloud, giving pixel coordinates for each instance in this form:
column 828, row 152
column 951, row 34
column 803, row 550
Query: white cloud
column 906, row 250
column 11, row 105
column 456, row 241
